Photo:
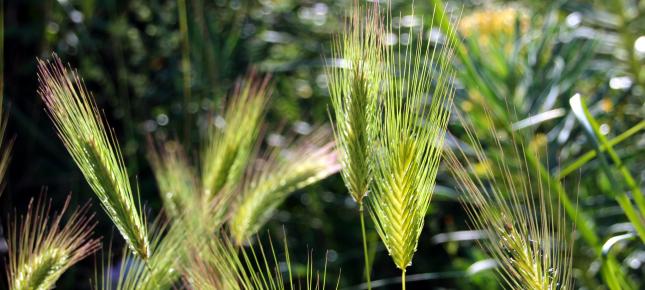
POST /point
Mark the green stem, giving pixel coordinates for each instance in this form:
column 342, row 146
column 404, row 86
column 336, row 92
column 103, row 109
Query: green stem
column 403, row 279
column 365, row 254
column 185, row 61
column 593, row 153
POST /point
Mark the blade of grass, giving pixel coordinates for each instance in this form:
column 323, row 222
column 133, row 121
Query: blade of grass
column 185, row 64
column 585, row 158
column 592, row 129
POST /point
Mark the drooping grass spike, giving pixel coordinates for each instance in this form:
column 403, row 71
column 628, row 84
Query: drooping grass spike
column 417, row 93
column 94, row 148
column 42, row 248
column 271, row 179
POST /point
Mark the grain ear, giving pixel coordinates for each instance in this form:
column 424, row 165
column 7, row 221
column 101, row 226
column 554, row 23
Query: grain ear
column 41, row 248
column 94, row 148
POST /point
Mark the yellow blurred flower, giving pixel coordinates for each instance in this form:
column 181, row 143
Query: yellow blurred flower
column 487, row 24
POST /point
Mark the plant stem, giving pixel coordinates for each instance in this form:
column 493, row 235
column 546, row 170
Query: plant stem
column 403, row 279
column 365, row 254
column 185, row 62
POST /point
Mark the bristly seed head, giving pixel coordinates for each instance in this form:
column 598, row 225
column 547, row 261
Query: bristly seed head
column 94, row 148
column 41, row 249
column 409, row 137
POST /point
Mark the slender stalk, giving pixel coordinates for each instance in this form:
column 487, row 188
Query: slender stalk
column 185, row 60
column 403, row 279
column 365, row 254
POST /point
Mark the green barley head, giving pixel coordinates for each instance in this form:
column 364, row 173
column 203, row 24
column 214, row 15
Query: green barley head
column 414, row 109
column 41, row 249
column 270, row 180
column 524, row 225
column 230, row 140
column 175, row 177
column 94, row 148
column 354, row 74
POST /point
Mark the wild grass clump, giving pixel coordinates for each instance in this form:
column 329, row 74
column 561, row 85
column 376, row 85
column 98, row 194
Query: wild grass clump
column 389, row 134
column 94, row 148
column 524, row 224
column 42, row 248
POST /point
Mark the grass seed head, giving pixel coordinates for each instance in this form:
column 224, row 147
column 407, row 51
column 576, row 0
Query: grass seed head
column 229, row 143
column 524, row 225
column 41, row 249
column 354, row 74
column 416, row 98
column 271, row 179
column 94, row 148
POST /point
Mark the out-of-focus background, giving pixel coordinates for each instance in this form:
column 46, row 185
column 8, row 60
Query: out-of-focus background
column 132, row 55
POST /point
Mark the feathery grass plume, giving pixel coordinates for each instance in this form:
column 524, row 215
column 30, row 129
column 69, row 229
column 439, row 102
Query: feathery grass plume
column 271, row 180
column 41, row 249
column 257, row 268
column 354, row 79
column 526, row 229
column 409, row 141
column 94, row 148
column 175, row 176
column 230, row 140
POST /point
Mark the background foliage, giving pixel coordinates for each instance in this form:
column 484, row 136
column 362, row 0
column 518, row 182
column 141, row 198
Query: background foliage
column 134, row 56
